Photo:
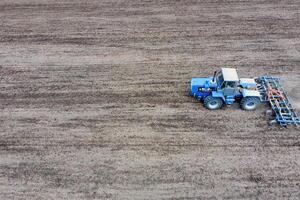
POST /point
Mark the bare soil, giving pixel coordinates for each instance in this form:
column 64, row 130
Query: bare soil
column 94, row 100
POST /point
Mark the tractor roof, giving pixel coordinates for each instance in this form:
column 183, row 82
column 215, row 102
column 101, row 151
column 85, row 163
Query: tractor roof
column 230, row 74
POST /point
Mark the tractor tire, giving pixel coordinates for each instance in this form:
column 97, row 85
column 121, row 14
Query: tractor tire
column 213, row 103
column 250, row 103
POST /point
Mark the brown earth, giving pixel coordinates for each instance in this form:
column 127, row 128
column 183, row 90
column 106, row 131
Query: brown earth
column 94, row 100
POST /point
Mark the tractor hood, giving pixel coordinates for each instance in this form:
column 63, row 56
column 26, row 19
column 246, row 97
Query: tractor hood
column 206, row 83
column 203, row 82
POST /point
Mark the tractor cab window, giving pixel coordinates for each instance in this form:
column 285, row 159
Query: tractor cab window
column 228, row 84
column 223, row 85
column 220, row 78
column 231, row 84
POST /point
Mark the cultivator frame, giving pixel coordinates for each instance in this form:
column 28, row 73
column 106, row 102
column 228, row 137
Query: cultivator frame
column 272, row 91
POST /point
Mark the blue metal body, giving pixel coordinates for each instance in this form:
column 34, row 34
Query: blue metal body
column 205, row 85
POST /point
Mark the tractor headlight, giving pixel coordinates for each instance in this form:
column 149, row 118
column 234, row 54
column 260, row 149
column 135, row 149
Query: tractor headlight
column 201, row 89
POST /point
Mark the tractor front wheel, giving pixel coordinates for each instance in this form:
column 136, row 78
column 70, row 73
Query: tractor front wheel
column 213, row 103
column 250, row 103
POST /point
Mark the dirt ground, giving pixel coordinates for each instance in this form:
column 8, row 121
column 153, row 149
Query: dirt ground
column 94, row 100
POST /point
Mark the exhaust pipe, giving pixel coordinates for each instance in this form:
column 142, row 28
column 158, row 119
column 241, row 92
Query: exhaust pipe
column 214, row 78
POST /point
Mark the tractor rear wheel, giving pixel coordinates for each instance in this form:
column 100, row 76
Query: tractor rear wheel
column 250, row 103
column 213, row 103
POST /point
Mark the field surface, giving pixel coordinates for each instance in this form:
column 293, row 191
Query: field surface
column 94, row 100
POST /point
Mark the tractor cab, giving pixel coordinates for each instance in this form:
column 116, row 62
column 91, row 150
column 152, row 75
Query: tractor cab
column 227, row 81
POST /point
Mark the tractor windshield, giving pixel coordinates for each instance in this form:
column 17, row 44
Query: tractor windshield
column 220, row 78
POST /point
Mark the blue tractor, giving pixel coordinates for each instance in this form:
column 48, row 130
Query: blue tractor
column 226, row 88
